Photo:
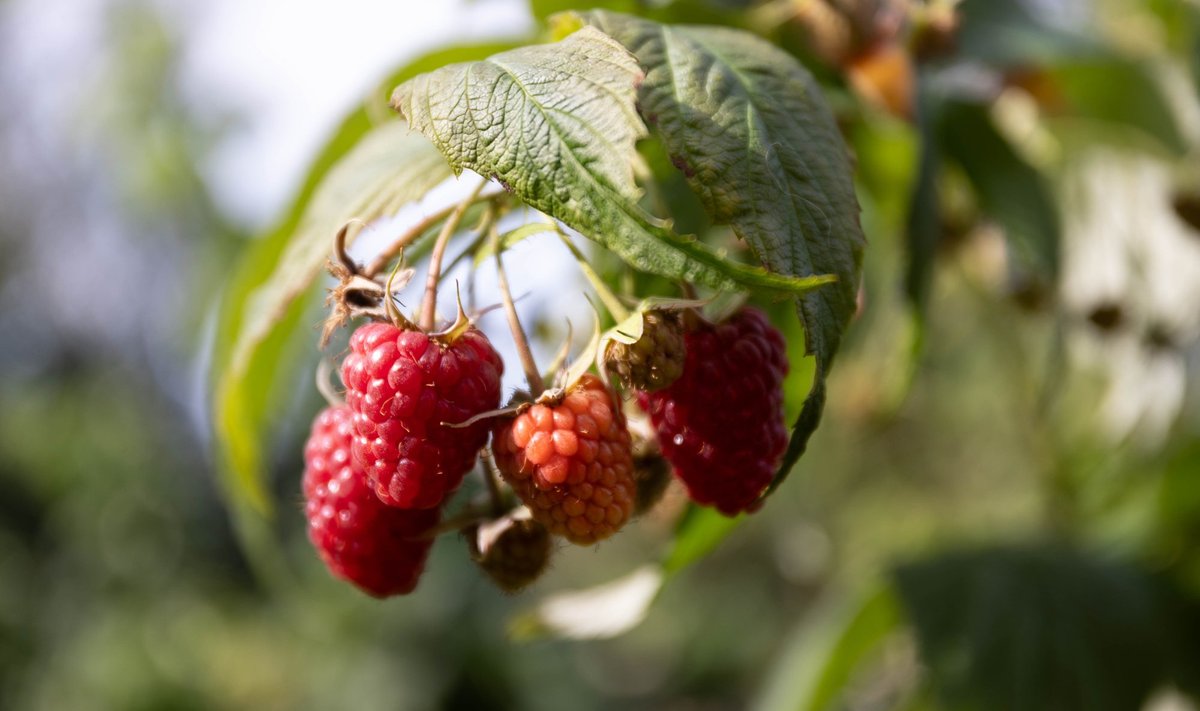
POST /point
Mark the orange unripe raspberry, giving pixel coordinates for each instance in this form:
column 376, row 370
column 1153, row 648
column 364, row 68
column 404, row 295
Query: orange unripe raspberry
column 571, row 462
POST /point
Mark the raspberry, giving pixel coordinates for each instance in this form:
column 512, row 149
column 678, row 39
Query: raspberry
column 652, row 474
column 570, row 462
column 656, row 359
column 721, row 424
column 375, row 547
column 513, row 553
column 404, row 387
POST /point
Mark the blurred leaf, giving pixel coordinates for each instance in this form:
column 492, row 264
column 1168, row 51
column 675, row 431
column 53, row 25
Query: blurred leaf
column 1179, row 496
column 241, row 402
column 714, row 12
column 698, row 532
column 604, row 611
column 924, row 229
column 1193, row 57
column 1124, row 92
column 543, row 9
column 1015, row 34
column 1010, row 191
column 828, row 649
column 556, row 125
column 1184, row 642
column 1178, row 514
column 748, row 126
column 1036, row 628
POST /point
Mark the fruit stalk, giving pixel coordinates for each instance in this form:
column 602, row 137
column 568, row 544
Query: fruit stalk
column 429, row 304
column 381, row 260
column 610, row 300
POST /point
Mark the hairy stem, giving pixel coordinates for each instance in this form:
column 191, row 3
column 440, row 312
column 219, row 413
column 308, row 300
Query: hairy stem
column 381, row 260
column 429, row 303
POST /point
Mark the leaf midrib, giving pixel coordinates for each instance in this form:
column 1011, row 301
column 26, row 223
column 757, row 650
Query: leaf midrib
column 558, row 131
column 709, row 260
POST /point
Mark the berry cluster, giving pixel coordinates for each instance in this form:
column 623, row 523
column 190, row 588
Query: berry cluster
column 420, row 406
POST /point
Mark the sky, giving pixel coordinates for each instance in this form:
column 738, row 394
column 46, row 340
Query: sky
column 288, row 72
column 295, row 68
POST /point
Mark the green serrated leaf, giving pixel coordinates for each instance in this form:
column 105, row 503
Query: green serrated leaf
column 750, row 129
column 556, row 124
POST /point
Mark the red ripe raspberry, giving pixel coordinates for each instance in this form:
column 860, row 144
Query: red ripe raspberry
column 375, row 547
column 721, row 424
column 571, row 462
column 404, row 387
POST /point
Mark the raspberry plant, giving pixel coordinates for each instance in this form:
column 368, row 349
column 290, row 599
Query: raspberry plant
column 570, row 134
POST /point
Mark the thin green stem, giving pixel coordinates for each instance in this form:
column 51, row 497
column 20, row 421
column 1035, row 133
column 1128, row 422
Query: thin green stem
column 429, row 303
column 611, row 302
